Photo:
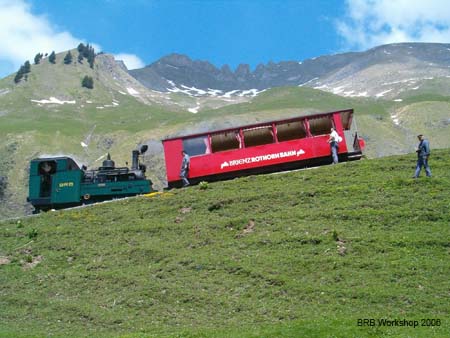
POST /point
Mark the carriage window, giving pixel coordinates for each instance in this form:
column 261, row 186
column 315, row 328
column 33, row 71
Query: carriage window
column 258, row 136
column 226, row 141
column 290, row 131
column 196, row 146
column 320, row 126
column 346, row 119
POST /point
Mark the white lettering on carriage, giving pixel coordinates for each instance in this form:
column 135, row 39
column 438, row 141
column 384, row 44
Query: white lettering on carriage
column 262, row 158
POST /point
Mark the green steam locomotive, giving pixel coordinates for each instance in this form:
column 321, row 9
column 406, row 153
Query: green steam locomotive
column 58, row 182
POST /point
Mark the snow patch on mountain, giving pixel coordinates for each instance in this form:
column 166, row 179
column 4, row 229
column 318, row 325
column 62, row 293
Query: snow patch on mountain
column 250, row 92
column 309, row 81
column 53, row 100
column 191, row 91
column 196, row 92
column 383, row 92
column 362, row 94
column 337, row 90
column 341, row 90
column 412, row 81
column 132, row 91
column 229, row 94
column 194, row 110
column 113, row 104
column 171, row 66
column 395, row 120
column 214, row 92
column 4, row 91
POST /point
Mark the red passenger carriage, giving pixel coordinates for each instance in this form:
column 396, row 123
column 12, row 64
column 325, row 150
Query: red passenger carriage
column 264, row 147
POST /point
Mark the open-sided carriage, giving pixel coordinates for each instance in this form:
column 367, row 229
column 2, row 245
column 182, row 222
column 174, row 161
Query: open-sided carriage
column 263, row 147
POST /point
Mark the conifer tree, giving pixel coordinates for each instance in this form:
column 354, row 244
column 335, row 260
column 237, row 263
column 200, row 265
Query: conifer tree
column 26, row 67
column 86, row 50
column 91, row 58
column 23, row 71
column 38, row 58
column 81, row 47
column 68, row 58
column 80, row 58
column 19, row 76
column 52, row 58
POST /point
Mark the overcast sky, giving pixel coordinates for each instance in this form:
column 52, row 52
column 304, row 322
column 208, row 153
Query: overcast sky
column 222, row 32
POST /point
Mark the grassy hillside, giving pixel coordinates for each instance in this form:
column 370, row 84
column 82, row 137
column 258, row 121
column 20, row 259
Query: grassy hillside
column 304, row 253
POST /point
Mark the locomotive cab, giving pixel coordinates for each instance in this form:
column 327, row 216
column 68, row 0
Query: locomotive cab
column 54, row 181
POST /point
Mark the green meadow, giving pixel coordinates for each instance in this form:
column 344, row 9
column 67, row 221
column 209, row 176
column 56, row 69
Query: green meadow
column 300, row 254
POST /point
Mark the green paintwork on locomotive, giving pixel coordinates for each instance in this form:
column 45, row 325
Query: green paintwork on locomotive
column 124, row 188
column 63, row 185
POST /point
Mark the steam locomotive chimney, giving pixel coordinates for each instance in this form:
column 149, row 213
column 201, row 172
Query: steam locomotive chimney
column 135, row 160
column 108, row 163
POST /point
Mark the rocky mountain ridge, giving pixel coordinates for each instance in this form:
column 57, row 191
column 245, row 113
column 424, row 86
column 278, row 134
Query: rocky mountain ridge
column 383, row 71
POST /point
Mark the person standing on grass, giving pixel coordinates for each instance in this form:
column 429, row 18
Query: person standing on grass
column 423, row 153
column 184, row 172
column 334, row 145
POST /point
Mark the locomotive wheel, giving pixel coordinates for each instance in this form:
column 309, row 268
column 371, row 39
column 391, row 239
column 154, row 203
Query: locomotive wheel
column 86, row 197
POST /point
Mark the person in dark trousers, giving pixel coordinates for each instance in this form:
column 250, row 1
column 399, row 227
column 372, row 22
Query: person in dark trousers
column 423, row 153
column 184, row 172
column 334, row 145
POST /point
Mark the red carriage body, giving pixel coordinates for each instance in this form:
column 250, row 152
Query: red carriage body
column 263, row 147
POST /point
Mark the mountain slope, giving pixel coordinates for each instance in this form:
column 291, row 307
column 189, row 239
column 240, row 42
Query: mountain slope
column 303, row 253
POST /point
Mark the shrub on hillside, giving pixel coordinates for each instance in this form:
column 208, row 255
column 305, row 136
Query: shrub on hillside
column 32, row 234
column 88, row 82
column 203, row 185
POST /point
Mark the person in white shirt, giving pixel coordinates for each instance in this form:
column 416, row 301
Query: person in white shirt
column 334, row 145
column 184, row 172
